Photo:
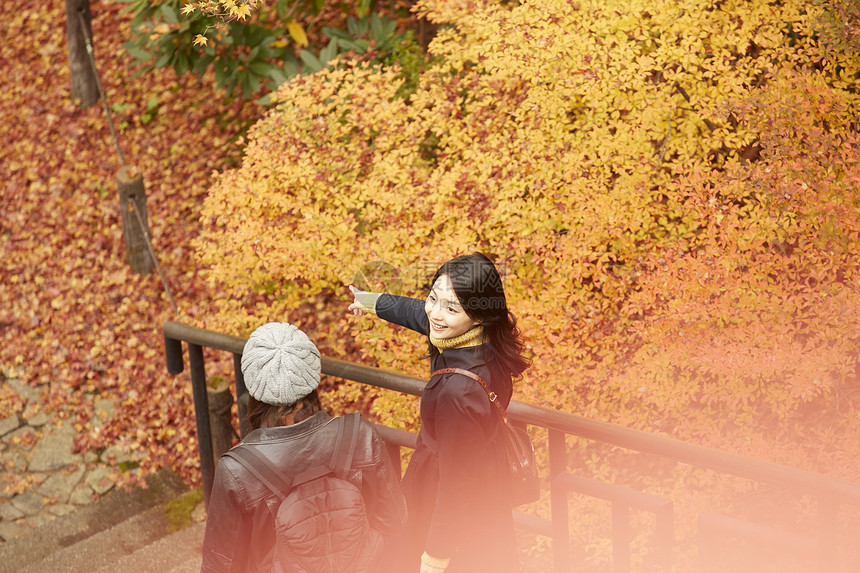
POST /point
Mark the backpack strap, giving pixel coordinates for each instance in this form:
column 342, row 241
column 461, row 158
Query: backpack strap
column 262, row 468
column 344, row 448
column 342, row 454
column 469, row 374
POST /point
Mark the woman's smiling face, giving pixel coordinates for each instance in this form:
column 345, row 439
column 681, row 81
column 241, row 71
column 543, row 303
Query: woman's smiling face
column 446, row 315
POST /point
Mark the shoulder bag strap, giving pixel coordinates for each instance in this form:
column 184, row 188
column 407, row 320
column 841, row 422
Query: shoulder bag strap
column 490, row 394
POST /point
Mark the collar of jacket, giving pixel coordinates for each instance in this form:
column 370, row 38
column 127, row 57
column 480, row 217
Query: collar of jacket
column 263, row 435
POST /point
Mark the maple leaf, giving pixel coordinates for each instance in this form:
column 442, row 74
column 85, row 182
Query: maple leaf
column 241, row 12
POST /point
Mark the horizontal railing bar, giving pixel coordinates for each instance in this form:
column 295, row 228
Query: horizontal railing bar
column 711, row 523
column 201, row 337
column 397, row 437
column 612, row 492
column 373, row 376
column 533, row 523
column 694, row 454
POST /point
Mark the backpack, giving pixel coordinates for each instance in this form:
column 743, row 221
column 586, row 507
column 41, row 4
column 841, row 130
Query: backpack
column 321, row 520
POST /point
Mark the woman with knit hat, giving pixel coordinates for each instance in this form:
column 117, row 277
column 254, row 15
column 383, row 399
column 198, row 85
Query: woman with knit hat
column 457, row 482
column 296, row 438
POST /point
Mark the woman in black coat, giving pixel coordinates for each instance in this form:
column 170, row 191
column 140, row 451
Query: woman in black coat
column 457, row 485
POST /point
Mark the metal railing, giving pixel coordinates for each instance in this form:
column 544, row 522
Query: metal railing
column 830, row 493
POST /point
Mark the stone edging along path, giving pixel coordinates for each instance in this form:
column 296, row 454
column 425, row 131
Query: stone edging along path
column 40, row 476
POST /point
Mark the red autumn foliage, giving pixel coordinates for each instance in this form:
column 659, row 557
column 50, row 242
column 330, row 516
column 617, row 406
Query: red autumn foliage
column 75, row 322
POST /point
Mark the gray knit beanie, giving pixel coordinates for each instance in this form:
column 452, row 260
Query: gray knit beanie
column 280, row 364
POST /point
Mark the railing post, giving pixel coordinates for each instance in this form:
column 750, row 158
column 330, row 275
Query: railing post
column 201, row 415
column 558, row 502
column 620, row 537
column 173, row 355
column 708, row 543
column 828, row 530
column 219, row 397
column 241, row 395
column 666, row 535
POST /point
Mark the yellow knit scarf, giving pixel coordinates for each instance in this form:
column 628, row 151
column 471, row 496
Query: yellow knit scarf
column 472, row 337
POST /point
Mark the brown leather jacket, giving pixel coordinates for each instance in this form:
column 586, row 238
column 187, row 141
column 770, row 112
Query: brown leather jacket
column 240, row 531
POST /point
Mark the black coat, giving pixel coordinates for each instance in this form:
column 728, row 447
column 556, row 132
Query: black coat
column 456, row 485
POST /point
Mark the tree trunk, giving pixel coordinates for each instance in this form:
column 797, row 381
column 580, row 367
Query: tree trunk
column 425, row 31
column 85, row 89
column 220, row 403
column 132, row 203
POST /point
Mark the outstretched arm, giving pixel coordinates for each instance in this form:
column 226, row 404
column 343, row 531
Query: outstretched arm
column 400, row 310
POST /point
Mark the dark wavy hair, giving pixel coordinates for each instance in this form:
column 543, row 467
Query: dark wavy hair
column 262, row 415
column 478, row 285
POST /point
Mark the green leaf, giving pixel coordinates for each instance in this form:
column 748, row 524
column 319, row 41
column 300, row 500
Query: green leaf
column 169, row 14
column 181, row 65
column 362, row 45
column 347, row 45
column 376, row 31
column 329, row 52
column 262, row 68
column 256, row 35
column 255, row 83
column 250, row 84
column 267, row 52
column 277, row 76
column 363, row 7
column 266, row 49
column 164, row 60
column 357, row 28
column 128, row 8
column 388, row 28
column 220, row 75
column 201, row 64
column 137, row 52
column 291, row 68
column 311, row 62
column 336, row 33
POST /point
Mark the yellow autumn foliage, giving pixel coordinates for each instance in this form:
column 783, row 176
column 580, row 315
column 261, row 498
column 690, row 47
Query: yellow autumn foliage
column 670, row 188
